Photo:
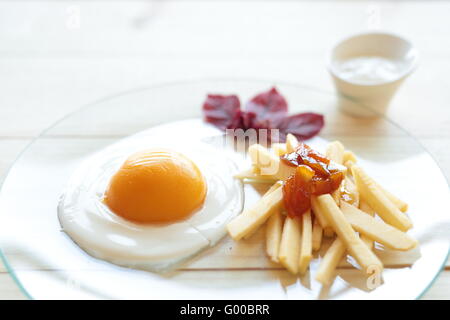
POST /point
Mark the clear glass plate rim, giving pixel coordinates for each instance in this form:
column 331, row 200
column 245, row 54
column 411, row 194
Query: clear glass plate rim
column 10, row 269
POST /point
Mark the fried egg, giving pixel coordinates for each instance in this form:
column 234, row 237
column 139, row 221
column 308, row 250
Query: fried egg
column 154, row 199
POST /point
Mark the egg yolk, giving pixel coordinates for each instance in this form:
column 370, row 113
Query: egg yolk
column 156, row 186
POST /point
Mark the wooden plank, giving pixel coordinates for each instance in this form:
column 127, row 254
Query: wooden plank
column 9, row 289
column 278, row 283
column 193, row 22
column 440, row 288
column 89, row 53
column 43, row 106
column 229, row 254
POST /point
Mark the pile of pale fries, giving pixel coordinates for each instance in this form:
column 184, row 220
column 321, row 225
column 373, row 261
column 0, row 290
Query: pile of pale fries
column 348, row 215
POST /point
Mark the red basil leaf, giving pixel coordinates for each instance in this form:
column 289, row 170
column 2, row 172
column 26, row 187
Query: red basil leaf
column 236, row 121
column 303, row 125
column 248, row 119
column 267, row 110
column 222, row 111
column 268, row 106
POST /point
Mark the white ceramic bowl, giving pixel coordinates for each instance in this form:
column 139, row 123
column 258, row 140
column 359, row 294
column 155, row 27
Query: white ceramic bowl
column 374, row 95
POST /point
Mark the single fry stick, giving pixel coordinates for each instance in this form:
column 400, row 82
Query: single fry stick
column 274, row 187
column 316, row 235
column 349, row 164
column 279, row 149
column 290, row 244
column 274, row 229
column 330, row 261
column 291, row 143
column 271, row 189
column 377, row 230
column 367, row 241
column 400, row 204
column 306, row 243
column 315, row 205
column 318, row 212
column 363, row 255
column 349, row 192
column 349, row 156
column 335, row 152
column 250, row 175
column 385, row 208
column 262, row 159
column 268, row 164
column 363, row 206
column 251, row 219
column 336, row 195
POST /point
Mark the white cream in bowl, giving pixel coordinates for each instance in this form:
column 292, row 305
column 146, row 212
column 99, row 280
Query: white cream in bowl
column 368, row 69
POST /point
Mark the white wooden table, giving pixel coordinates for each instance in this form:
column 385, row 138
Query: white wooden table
column 58, row 55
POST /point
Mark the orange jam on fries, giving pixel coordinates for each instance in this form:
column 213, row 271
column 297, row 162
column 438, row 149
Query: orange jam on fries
column 315, row 175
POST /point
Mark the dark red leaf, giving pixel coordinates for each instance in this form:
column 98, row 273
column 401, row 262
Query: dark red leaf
column 223, row 111
column 248, row 119
column 269, row 106
column 303, row 125
column 236, row 121
column 267, row 110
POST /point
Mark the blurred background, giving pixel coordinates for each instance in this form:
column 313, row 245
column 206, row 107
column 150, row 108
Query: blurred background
column 56, row 56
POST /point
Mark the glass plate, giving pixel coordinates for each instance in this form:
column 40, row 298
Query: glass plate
column 47, row 264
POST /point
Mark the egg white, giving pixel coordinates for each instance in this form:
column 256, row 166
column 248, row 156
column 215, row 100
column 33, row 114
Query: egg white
column 98, row 231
